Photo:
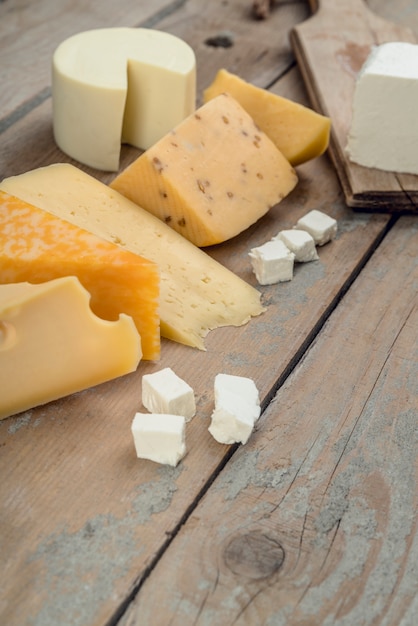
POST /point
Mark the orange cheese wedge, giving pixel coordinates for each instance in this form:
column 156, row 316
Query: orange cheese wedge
column 300, row 133
column 36, row 247
column 212, row 177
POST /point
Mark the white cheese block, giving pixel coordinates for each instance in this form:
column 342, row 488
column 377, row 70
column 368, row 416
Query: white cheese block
column 384, row 127
column 300, row 242
column 159, row 437
column 319, row 225
column 165, row 392
column 272, row 262
column 237, row 407
column 114, row 85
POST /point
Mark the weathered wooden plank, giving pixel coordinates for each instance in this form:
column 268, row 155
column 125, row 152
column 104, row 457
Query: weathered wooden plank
column 314, row 520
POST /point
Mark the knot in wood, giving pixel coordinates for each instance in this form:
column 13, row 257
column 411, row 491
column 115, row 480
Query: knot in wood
column 254, row 555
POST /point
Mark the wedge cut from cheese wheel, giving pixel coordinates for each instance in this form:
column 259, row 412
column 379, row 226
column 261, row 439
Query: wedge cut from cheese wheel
column 114, row 85
column 300, row 133
column 197, row 293
column 52, row 344
column 212, row 176
column 36, row 246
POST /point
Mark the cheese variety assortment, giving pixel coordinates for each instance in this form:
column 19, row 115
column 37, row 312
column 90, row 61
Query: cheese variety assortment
column 212, row 176
column 113, row 85
column 197, row 293
column 52, row 344
column 36, row 246
column 298, row 132
column 117, row 264
column 384, row 131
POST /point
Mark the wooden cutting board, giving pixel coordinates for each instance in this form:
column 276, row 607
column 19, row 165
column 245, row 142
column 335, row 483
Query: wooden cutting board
column 330, row 48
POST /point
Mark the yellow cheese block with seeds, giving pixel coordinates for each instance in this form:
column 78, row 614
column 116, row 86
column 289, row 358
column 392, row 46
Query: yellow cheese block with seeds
column 36, row 246
column 212, row 176
column 197, row 293
column 299, row 132
column 52, row 344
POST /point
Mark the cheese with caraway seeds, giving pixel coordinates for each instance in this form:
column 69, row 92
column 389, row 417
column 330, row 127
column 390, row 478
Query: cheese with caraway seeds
column 197, row 293
column 212, row 176
column 300, row 133
column 36, row 246
column 52, row 344
column 119, row 85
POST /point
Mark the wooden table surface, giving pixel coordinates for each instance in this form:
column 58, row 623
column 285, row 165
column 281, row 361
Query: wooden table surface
column 314, row 520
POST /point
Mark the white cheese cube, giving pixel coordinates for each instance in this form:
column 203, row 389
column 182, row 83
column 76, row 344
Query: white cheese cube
column 319, row 225
column 272, row 262
column 384, row 129
column 241, row 386
column 301, row 243
column 232, row 420
column 237, row 407
column 159, row 437
column 165, row 392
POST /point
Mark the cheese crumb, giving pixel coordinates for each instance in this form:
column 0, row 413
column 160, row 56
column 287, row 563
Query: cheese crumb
column 237, row 408
column 272, row 262
column 159, row 437
column 165, row 392
column 300, row 242
column 319, row 225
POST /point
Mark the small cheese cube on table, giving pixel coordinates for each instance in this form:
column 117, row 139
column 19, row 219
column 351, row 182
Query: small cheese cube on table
column 272, row 262
column 240, row 385
column 159, row 437
column 237, row 408
column 214, row 175
column 301, row 243
column 321, row 226
column 165, row 392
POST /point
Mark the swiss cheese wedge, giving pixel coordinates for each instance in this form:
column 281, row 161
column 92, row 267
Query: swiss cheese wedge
column 36, row 246
column 52, row 344
column 212, row 176
column 300, row 133
column 197, row 293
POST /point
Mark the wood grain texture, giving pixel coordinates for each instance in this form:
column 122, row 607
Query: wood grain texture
column 330, row 57
column 313, row 521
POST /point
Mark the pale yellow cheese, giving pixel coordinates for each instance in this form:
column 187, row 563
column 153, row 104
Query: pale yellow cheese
column 299, row 132
column 52, row 344
column 113, row 85
column 212, row 176
column 36, row 246
column 197, row 293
